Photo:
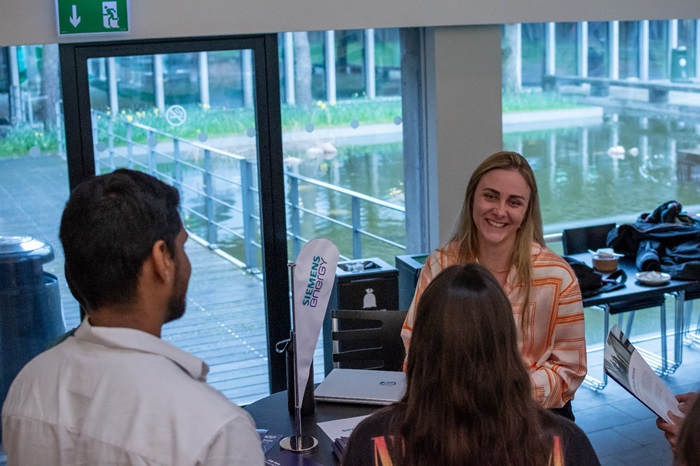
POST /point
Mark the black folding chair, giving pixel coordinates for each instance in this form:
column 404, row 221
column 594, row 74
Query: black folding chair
column 368, row 339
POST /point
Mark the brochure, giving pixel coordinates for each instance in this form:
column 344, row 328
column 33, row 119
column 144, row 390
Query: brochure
column 340, row 427
column 268, row 440
column 624, row 364
column 339, row 447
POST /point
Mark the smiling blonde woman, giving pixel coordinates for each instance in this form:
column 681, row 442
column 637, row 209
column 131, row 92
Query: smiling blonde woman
column 500, row 227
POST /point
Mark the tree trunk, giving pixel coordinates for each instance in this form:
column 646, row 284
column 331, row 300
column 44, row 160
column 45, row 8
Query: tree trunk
column 49, row 85
column 511, row 82
column 302, row 69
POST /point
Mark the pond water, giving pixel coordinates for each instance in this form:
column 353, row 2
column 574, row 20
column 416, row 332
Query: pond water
column 615, row 168
column 618, row 168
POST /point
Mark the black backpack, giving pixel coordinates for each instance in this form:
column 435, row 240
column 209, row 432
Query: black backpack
column 593, row 283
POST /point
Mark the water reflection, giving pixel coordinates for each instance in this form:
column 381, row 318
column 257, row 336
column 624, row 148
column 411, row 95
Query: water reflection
column 622, row 166
column 375, row 170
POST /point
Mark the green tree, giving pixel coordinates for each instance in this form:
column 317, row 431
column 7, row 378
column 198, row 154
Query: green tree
column 511, row 81
column 50, row 87
column 302, row 69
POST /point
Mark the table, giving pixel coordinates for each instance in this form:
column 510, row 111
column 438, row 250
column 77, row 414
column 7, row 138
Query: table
column 271, row 413
column 634, row 290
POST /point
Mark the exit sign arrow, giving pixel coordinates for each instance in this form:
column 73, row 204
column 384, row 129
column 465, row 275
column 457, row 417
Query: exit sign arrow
column 75, row 19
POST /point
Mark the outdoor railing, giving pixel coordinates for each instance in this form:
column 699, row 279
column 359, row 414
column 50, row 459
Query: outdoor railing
column 219, row 188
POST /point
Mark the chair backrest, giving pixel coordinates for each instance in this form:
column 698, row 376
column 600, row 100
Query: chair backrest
column 578, row 240
column 368, row 339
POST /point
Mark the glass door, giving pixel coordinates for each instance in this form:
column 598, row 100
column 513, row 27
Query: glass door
column 203, row 116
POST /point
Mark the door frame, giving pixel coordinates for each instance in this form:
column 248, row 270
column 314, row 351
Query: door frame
column 81, row 164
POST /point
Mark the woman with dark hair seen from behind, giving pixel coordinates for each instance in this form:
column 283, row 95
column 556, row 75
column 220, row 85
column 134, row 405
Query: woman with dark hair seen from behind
column 500, row 227
column 464, row 362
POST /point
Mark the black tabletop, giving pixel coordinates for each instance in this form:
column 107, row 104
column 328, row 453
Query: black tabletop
column 633, row 289
column 271, row 413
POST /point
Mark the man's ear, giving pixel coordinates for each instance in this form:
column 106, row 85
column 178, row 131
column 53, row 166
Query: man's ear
column 162, row 260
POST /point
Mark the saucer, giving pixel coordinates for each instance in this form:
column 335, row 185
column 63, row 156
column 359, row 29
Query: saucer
column 652, row 278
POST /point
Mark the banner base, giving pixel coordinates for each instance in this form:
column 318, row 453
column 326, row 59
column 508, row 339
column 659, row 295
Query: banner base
column 304, row 444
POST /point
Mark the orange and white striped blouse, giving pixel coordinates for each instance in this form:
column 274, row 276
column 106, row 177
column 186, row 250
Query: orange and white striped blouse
column 555, row 349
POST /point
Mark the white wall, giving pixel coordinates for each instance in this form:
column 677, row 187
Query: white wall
column 464, row 86
column 34, row 21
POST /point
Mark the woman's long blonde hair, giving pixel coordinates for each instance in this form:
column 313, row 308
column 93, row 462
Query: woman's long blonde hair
column 466, row 237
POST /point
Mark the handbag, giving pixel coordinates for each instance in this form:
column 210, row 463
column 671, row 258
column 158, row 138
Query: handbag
column 593, row 283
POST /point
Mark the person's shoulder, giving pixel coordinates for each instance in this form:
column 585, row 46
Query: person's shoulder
column 548, row 261
column 50, row 358
column 377, row 424
column 443, row 257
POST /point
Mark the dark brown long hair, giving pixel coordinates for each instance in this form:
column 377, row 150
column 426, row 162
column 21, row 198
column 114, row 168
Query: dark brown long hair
column 688, row 450
column 465, row 234
column 468, row 398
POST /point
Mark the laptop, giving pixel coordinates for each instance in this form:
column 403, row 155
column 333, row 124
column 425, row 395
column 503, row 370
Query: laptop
column 362, row 386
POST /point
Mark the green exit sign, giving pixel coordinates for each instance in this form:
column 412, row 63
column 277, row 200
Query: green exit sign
column 92, row 16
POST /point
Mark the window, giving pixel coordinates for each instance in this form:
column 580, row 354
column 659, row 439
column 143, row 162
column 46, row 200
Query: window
column 607, row 151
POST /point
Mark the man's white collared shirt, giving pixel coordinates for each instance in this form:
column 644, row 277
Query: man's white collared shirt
column 122, row 397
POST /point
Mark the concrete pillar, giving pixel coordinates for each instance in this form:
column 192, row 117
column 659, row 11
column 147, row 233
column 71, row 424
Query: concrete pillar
column 370, row 69
column 158, row 84
column 644, row 50
column 614, row 50
column 331, row 93
column 203, row 65
column 289, row 92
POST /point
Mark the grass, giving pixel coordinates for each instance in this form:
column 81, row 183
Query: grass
column 222, row 121
column 531, row 101
column 21, row 139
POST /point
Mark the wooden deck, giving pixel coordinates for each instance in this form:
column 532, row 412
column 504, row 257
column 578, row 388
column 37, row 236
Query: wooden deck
column 225, row 319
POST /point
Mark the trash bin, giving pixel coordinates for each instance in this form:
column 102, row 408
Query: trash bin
column 679, row 65
column 30, row 305
column 409, row 267
column 370, row 284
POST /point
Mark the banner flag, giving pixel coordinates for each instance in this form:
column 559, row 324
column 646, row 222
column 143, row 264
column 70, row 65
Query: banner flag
column 313, row 279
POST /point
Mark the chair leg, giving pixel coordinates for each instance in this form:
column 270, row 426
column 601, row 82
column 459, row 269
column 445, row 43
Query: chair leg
column 664, row 348
column 691, row 338
column 590, row 381
column 687, row 314
column 606, row 330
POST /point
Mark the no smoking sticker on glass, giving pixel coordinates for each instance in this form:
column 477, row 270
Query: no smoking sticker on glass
column 176, row 115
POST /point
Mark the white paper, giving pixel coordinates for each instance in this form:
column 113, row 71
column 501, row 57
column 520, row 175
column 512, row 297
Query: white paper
column 340, row 427
column 628, row 368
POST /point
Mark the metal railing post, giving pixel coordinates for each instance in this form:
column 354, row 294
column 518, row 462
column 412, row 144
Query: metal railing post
column 129, row 146
column 61, row 149
column 208, row 200
column 248, row 208
column 110, row 141
column 151, row 154
column 95, row 138
column 177, row 176
column 356, row 227
column 296, row 217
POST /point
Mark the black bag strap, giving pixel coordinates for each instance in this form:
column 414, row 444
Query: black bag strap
column 614, row 281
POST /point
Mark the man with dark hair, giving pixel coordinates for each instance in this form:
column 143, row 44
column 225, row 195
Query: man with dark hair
column 114, row 392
